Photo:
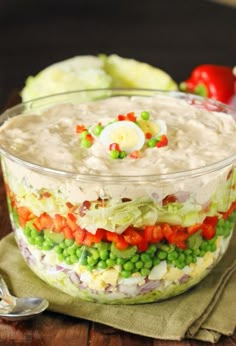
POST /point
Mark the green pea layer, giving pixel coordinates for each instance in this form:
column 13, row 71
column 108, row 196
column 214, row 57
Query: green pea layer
column 105, row 255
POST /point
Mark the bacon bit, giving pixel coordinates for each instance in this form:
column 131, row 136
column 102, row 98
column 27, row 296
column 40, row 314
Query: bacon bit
column 80, row 128
column 45, row 194
column 101, row 202
column 229, row 174
column 69, row 205
column 148, row 135
column 169, row 199
column 125, row 199
column 7, row 189
column 84, row 207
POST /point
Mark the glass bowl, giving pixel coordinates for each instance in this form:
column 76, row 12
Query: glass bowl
column 120, row 226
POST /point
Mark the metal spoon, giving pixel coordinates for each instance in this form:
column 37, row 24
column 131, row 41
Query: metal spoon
column 13, row 308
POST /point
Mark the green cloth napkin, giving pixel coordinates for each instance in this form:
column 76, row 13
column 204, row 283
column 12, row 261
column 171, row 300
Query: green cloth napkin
column 205, row 312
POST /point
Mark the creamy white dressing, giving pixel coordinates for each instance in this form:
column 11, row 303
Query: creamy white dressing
column 196, row 137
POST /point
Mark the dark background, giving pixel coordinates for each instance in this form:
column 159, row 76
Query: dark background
column 172, row 35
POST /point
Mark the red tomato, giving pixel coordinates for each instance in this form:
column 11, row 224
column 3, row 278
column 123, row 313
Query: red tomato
column 179, row 239
column 111, row 236
column 132, row 236
column 24, row 215
column 231, row 209
column 153, row 234
column 208, row 231
column 118, row 239
column 211, row 220
column 121, row 243
column 68, row 232
column 37, row 225
column 167, row 232
column 142, row 246
column 175, row 235
column 114, row 146
column 59, row 222
column 193, row 229
column 90, row 238
column 46, row 221
column 71, row 222
column 80, row 236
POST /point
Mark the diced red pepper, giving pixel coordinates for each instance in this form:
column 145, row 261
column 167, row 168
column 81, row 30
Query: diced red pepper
column 131, row 116
column 80, row 128
column 89, row 137
column 135, row 154
column 121, row 117
column 162, row 142
column 148, row 135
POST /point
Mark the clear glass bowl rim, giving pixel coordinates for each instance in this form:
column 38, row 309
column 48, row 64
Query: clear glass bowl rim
column 118, row 178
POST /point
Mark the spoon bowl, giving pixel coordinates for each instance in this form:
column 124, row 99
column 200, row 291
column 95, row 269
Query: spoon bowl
column 14, row 308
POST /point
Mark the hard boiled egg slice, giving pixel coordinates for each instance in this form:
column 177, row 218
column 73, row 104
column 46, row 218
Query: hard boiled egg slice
column 157, row 127
column 127, row 134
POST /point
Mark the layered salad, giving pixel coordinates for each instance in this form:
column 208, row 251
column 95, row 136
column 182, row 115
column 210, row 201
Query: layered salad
column 127, row 199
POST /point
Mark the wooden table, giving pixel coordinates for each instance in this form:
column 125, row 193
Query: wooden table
column 55, row 329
